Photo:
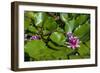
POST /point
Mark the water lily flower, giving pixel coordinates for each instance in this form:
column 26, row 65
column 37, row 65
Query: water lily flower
column 73, row 42
column 34, row 37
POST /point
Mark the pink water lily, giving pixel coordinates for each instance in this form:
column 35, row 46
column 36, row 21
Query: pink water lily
column 73, row 42
column 35, row 37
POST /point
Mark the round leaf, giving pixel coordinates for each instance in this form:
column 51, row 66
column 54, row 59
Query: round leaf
column 58, row 38
column 50, row 24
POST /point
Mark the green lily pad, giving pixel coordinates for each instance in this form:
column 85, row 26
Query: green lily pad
column 58, row 38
